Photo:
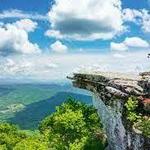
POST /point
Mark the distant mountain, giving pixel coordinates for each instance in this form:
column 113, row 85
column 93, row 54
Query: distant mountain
column 39, row 100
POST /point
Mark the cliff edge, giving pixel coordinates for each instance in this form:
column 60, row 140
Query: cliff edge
column 123, row 104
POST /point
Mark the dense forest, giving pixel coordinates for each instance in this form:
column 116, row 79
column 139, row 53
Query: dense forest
column 73, row 126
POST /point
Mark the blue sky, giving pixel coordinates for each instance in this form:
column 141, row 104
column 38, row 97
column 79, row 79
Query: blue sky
column 43, row 6
column 45, row 27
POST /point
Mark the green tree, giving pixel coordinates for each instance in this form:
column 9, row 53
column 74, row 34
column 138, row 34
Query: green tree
column 32, row 143
column 10, row 135
column 76, row 123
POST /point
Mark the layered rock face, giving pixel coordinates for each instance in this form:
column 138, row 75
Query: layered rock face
column 111, row 91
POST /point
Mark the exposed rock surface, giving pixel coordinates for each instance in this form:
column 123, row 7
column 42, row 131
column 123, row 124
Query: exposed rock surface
column 111, row 91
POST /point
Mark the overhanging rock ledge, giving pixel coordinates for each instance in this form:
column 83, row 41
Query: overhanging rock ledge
column 111, row 91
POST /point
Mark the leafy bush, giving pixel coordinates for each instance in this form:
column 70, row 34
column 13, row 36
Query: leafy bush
column 132, row 104
column 146, row 127
column 142, row 123
column 32, row 143
column 131, row 107
column 10, row 135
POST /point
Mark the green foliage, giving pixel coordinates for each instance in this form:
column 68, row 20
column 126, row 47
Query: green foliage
column 73, row 126
column 132, row 116
column 131, row 106
column 10, row 135
column 3, row 147
column 32, row 143
column 73, row 123
column 142, row 123
column 144, row 126
column 132, row 103
column 7, row 128
column 78, row 144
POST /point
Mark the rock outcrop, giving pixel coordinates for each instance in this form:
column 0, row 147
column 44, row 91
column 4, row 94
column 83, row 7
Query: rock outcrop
column 110, row 92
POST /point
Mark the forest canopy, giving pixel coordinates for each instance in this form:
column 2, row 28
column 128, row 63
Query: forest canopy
column 74, row 125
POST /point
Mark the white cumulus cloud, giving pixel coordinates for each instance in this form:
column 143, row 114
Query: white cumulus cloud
column 146, row 21
column 58, row 47
column 85, row 19
column 129, row 42
column 131, row 15
column 139, row 17
column 15, row 38
column 136, row 42
column 26, row 24
column 15, row 13
column 118, row 46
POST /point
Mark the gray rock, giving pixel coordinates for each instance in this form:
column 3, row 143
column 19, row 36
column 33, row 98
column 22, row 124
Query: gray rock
column 111, row 91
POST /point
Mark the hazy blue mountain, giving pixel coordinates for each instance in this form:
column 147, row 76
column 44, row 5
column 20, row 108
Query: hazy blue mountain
column 27, row 104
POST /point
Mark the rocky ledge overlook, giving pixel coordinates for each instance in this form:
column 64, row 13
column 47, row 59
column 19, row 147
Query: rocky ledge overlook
column 112, row 94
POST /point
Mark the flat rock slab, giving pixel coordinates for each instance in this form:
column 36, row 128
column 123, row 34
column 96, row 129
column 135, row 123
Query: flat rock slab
column 121, row 85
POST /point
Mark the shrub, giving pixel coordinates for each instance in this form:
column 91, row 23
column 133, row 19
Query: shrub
column 141, row 122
